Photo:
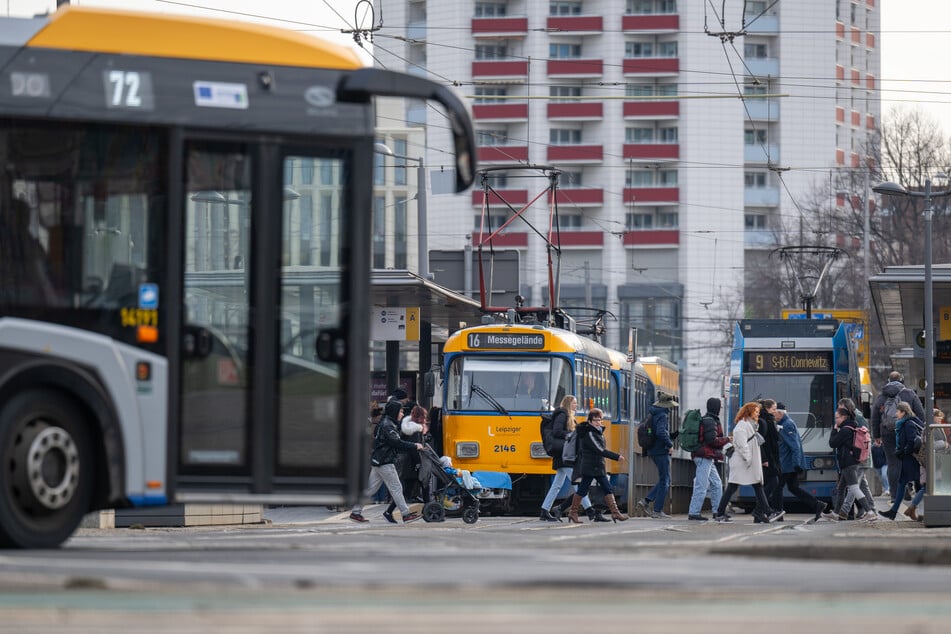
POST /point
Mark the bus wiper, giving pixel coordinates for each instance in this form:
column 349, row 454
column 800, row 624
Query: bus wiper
column 491, row 399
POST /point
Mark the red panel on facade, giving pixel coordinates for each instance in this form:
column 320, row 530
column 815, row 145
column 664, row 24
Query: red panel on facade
column 587, row 110
column 666, row 65
column 576, row 23
column 870, row 40
column 651, row 195
column 870, row 82
column 514, row 197
column 580, row 196
column 508, row 239
column 651, row 108
column 651, row 237
column 499, row 69
column 840, row 30
column 870, row 122
column 582, row 238
column 650, row 22
column 575, row 152
column 489, row 111
column 651, row 151
column 510, row 26
column 856, row 118
column 840, row 114
column 575, row 67
column 840, row 157
column 505, row 153
column 856, row 35
column 839, row 72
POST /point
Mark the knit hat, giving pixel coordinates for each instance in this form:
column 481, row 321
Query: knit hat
column 665, row 400
column 713, row 406
column 398, row 394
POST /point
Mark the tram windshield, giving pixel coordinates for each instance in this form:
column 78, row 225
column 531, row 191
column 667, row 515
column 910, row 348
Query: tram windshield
column 809, row 401
column 507, row 384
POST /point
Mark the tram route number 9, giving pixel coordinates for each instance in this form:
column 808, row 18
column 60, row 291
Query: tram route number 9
column 504, row 449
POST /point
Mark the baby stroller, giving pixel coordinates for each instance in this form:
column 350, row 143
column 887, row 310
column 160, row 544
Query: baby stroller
column 448, row 489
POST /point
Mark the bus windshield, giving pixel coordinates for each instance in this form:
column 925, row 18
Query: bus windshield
column 512, row 383
column 809, row 401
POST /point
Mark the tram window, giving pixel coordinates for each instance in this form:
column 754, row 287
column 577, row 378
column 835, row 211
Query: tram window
column 515, row 384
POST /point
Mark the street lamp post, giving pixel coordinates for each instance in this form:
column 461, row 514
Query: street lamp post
column 894, row 189
column 422, row 245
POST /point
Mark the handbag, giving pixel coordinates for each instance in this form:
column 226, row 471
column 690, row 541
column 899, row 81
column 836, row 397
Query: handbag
column 760, row 440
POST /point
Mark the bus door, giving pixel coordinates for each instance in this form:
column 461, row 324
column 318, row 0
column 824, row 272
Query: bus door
column 262, row 370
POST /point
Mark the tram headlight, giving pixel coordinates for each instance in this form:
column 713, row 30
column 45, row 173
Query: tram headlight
column 467, row 450
column 537, row 450
column 823, row 463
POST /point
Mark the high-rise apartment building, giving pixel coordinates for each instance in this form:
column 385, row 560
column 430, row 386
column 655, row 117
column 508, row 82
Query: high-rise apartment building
column 671, row 186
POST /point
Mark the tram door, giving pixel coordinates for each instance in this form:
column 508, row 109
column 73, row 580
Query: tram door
column 261, row 410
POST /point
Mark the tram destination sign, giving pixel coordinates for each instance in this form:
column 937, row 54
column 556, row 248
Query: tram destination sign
column 788, row 361
column 506, row 341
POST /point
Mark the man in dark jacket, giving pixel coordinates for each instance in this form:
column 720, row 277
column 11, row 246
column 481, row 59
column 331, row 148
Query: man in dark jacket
column 706, row 479
column 841, row 438
column 884, row 431
column 653, row 503
column 792, row 462
column 772, row 485
column 386, row 444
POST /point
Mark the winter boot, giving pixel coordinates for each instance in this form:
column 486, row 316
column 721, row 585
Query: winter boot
column 573, row 511
column 616, row 515
column 595, row 515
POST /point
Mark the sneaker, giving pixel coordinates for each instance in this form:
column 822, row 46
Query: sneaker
column 660, row 515
column 871, row 516
column 888, row 514
column 388, row 516
column 775, row 516
column 411, row 517
column 642, row 507
column 698, row 517
column 842, row 517
column 829, row 515
column 722, row 518
column 356, row 517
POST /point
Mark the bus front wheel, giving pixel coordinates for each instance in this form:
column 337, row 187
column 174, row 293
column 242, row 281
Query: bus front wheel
column 46, row 469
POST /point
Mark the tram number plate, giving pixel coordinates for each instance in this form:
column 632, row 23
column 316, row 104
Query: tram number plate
column 504, row 449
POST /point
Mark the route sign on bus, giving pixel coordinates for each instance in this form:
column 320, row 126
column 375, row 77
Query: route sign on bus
column 856, row 324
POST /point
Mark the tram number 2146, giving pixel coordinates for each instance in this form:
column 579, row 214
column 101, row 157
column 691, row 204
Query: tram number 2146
column 504, row 449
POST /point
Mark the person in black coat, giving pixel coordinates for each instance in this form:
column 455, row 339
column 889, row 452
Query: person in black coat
column 772, row 471
column 563, row 423
column 590, row 465
column 907, row 430
column 842, row 440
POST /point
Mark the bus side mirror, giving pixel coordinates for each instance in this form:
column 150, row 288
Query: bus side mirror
column 429, row 384
column 331, row 345
column 196, row 342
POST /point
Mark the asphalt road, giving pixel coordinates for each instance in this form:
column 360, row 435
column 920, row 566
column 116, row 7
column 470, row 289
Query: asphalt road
column 312, row 570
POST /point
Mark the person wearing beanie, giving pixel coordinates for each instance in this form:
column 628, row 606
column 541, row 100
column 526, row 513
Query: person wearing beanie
column 706, row 479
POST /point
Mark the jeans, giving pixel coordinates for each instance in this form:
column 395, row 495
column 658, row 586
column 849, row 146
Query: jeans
column 894, row 463
column 883, row 472
column 384, row 474
column 706, row 483
column 659, row 492
column 586, row 481
column 851, row 478
column 559, row 481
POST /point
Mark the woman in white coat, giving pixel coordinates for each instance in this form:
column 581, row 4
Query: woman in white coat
column 746, row 466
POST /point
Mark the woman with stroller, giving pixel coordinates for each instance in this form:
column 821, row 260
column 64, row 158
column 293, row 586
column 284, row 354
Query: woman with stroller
column 563, row 423
column 415, row 429
column 590, row 466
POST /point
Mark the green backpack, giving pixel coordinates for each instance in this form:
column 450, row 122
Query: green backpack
column 690, row 431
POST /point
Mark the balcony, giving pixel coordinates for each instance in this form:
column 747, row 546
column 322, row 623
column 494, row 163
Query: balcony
column 581, row 197
column 651, row 66
column 514, row 197
column 502, row 153
column 651, row 109
column 762, row 66
column 575, row 67
column 761, row 196
column 763, row 25
column 759, row 239
column 756, row 153
column 763, row 109
column 581, row 238
column 500, row 69
column 500, row 27
column 652, row 151
column 500, row 112
column 667, row 23
column 652, row 237
column 576, row 24
column 575, row 153
column 511, row 239
column 651, row 195
column 576, row 111
column 416, row 30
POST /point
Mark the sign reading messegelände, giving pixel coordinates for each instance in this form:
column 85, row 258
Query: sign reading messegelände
column 505, row 341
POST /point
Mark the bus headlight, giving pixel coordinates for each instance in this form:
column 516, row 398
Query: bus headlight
column 537, row 450
column 823, row 463
column 467, row 450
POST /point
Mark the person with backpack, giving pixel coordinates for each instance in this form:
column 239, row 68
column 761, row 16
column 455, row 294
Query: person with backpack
column 590, row 465
column 706, row 479
column 660, row 453
column 842, row 440
column 939, row 445
column 908, row 439
column 562, row 424
column 884, row 418
column 841, row 493
column 792, row 462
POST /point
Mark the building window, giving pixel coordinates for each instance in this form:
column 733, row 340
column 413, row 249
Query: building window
column 492, row 221
column 489, row 9
column 639, row 135
column 491, row 51
column 325, row 223
column 754, row 89
column 754, row 180
column 379, row 166
column 667, row 135
column 650, row 7
column 564, row 8
column 379, row 232
column 754, row 9
column 754, row 137
column 485, row 94
column 668, row 220
column 569, row 179
column 399, row 233
column 637, row 220
column 667, row 49
column 667, row 178
column 639, row 178
column 638, row 49
column 496, row 181
column 563, row 136
column 570, row 222
column 307, row 229
column 498, row 136
column 561, row 94
column 755, row 51
column 754, row 222
column 564, row 51
column 650, row 90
